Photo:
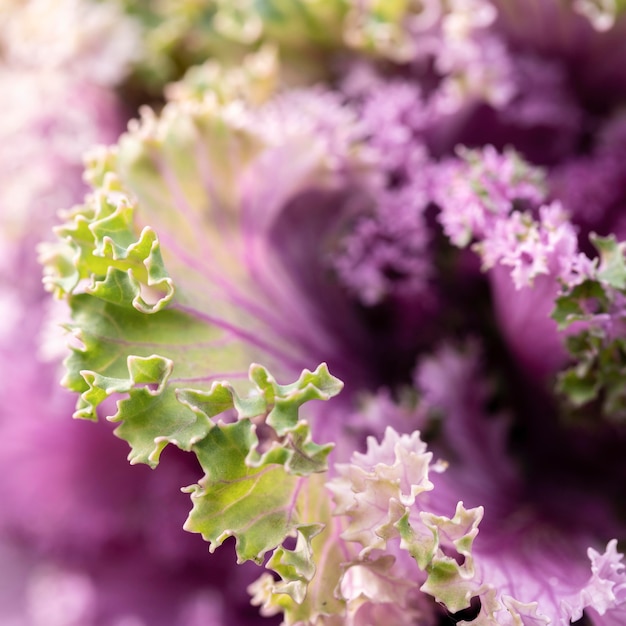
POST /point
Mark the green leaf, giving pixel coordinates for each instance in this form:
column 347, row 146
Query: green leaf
column 285, row 400
column 252, row 490
column 253, row 504
column 592, row 384
column 247, row 493
column 450, row 580
column 612, row 269
column 196, row 176
column 310, row 572
column 422, row 548
column 296, row 567
column 125, row 351
column 580, row 387
column 99, row 245
column 580, row 303
column 300, row 455
column 295, row 451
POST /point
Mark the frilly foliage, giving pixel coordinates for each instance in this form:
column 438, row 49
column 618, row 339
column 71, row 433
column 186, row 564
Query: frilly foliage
column 156, row 296
column 383, row 496
column 597, row 348
column 137, row 340
column 99, row 246
column 251, row 487
column 181, row 33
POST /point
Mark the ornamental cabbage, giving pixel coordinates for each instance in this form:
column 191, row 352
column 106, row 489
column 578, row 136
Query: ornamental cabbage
column 409, row 211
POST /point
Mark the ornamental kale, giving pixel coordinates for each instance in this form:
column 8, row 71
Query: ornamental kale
column 411, row 211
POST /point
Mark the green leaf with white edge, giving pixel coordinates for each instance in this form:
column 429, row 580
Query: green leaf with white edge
column 125, row 351
column 285, row 400
column 153, row 370
column 422, row 547
column 612, row 268
column 221, row 397
column 580, row 303
column 253, row 504
column 295, row 450
column 594, row 385
column 160, row 354
column 250, row 491
column 99, row 245
column 310, row 572
column 201, row 175
column 253, row 496
column 449, row 582
column 299, row 454
column 296, row 567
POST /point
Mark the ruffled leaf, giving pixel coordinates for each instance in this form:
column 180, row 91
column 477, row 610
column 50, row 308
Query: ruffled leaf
column 374, row 490
column 201, row 176
column 254, row 504
column 211, row 176
column 100, row 246
column 597, row 349
column 579, row 302
column 296, row 566
column 125, row 351
column 311, row 571
column 323, row 602
column 450, row 580
column 605, row 593
column 612, row 269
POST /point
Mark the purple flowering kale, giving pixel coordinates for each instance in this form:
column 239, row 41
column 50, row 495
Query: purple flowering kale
column 409, row 211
